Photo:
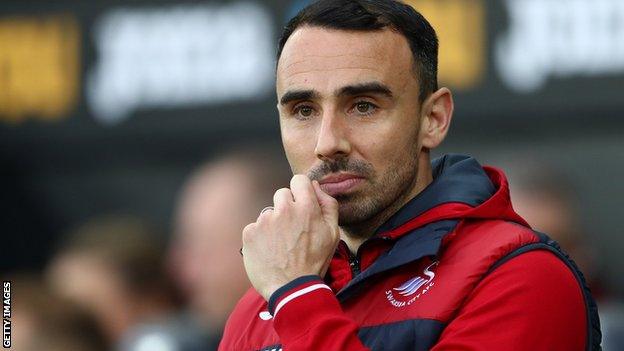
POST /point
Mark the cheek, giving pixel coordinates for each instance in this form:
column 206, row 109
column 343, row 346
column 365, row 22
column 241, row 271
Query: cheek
column 381, row 155
column 388, row 146
column 377, row 141
column 299, row 146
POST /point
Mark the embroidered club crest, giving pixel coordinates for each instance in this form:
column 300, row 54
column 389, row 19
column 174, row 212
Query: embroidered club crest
column 412, row 288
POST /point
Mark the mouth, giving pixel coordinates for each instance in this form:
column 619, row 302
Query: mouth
column 340, row 184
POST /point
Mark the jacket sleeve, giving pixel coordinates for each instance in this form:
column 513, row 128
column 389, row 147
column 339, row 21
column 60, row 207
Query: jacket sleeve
column 307, row 316
column 531, row 302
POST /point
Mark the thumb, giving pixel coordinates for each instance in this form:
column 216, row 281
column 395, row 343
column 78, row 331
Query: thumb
column 329, row 205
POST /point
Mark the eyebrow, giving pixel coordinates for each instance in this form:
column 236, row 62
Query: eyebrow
column 349, row 90
column 365, row 88
column 295, row 95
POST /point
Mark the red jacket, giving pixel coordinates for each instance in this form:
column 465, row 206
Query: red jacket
column 455, row 269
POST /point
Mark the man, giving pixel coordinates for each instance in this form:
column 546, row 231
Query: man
column 546, row 196
column 214, row 205
column 43, row 320
column 373, row 246
column 112, row 266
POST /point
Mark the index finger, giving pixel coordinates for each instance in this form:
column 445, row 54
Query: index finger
column 302, row 190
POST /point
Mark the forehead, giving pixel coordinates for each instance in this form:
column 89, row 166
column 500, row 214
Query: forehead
column 329, row 58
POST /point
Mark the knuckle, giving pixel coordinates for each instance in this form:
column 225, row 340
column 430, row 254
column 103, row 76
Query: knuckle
column 282, row 192
column 307, row 210
column 248, row 232
column 264, row 217
column 298, row 179
column 281, row 197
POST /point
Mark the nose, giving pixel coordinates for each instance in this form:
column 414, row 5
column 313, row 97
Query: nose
column 332, row 142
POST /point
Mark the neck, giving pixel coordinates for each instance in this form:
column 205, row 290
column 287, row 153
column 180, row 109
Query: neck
column 356, row 234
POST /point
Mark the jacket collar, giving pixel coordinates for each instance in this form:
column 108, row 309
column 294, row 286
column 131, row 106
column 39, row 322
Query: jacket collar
column 461, row 188
column 457, row 179
column 422, row 242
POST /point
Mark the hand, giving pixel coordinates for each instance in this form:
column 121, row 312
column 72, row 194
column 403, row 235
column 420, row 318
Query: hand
column 297, row 238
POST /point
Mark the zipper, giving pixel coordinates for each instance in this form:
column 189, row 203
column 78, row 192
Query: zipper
column 354, row 263
column 354, row 260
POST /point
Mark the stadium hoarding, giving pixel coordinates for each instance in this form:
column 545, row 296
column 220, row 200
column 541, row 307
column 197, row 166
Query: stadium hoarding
column 171, row 67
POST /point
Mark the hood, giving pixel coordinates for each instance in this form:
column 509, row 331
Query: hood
column 461, row 189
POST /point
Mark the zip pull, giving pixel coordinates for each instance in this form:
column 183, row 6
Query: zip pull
column 354, row 264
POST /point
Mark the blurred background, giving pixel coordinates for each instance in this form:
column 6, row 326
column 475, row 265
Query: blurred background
column 138, row 138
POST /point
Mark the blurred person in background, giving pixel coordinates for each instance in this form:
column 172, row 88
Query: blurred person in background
column 215, row 204
column 114, row 268
column 547, row 198
column 42, row 320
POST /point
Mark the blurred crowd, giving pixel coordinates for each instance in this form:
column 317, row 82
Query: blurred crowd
column 117, row 282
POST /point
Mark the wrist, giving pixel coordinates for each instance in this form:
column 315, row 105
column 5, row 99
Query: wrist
column 271, row 289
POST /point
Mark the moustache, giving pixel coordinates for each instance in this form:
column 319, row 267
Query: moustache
column 356, row 167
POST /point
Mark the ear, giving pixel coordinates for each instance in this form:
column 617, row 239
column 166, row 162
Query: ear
column 436, row 118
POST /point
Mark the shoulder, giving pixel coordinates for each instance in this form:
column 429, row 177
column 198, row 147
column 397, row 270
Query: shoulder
column 511, row 256
column 537, row 273
column 475, row 246
column 533, row 298
column 493, row 233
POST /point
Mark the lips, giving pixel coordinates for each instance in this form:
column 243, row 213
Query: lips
column 339, row 184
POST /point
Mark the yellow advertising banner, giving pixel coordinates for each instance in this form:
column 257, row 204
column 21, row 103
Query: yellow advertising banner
column 461, row 28
column 39, row 67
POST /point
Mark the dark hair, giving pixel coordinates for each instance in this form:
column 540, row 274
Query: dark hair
column 374, row 15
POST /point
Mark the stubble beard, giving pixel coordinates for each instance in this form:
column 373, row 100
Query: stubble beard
column 362, row 212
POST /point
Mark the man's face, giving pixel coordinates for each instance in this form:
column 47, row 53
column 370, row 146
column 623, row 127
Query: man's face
column 206, row 240
column 349, row 116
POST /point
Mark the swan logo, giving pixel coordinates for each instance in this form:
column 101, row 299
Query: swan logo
column 411, row 290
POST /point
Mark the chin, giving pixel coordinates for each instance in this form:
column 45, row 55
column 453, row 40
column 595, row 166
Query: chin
column 353, row 211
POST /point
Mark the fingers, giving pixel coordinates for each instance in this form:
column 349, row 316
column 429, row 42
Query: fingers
column 329, row 205
column 302, row 191
column 293, row 239
column 248, row 233
column 283, row 199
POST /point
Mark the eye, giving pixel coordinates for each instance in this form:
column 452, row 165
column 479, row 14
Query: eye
column 365, row 108
column 303, row 112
